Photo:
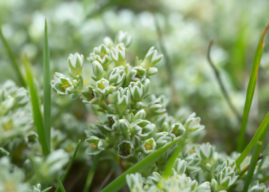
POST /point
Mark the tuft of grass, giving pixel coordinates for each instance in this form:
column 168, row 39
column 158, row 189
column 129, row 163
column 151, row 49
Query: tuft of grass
column 38, row 120
column 47, row 86
column 251, row 89
column 259, row 135
column 69, row 165
column 13, row 60
column 120, row 181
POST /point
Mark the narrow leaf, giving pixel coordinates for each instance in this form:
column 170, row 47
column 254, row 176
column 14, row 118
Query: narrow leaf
column 61, row 186
column 251, row 89
column 70, row 164
column 91, row 175
column 47, row 87
column 12, row 58
column 120, row 181
column 259, row 133
column 171, row 162
column 253, row 162
column 38, row 120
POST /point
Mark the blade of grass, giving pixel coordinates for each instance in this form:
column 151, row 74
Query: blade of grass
column 47, row 87
column 251, row 89
column 120, row 181
column 61, row 186
column 91, row 175
column 171, row 162
column 253, row 162
column 12, row 58
column 259, row 134
column 38, row 120
column 70, row 164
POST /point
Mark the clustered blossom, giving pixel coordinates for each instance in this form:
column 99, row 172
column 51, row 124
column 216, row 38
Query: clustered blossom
column 199, row 168
column 135, row 121
column 15, row 112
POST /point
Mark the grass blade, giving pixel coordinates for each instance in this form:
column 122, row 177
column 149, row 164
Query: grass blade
column 47, row 87
column 38, row 120
column 120, row 181
column 70, row 164
column 251, row 89
column 253, row 162
column 171, row 162
column 13, row 60
column 61, row 186
column 258, row 135
column 91, row 175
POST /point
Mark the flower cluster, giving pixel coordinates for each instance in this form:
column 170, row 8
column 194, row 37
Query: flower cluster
column 198, row 168
column 134, row 121
column 15, row 112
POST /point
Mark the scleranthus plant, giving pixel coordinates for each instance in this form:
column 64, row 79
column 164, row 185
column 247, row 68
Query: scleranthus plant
column 134, row 122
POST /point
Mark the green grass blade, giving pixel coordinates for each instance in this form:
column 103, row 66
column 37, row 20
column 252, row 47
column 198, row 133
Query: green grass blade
column 251, row 89
column 91, row 175
column 38, row 120
column 120, row 181
column 61, row 186
column 47, row 87
column 13, row 60
column 171, row 162
column 258, row 135
column 253, row 162
column 70, row 164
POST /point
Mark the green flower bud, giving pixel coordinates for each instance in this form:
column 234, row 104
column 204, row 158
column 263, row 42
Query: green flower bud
column 118, row 54
column 162, row 138
column 100, row 54
column 124, row 38
column 180, row 166
column 136, row 90
column 117, row 75
column 97, row 69
column 125, row 149
column 144, row 128
column 149, row 145
column 192, row 124
column 96, row 145
column 62, row 84
column 177, row 129
column 88, row 95
column 102, row 86
column 75, row 62
column 141, row 114
column 151, row 59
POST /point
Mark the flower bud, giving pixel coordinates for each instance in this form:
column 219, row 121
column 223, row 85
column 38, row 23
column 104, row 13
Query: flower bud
column 124, row 38
column 102, row 86
column 75, row 62
column 118, row 54
column 97, row 69
column 144, row 128
column 177, row 129
column 62, row 84
column 149, row 145
column 152, row 58
column 96, row 145
column 125, row 149
column 117, row 75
